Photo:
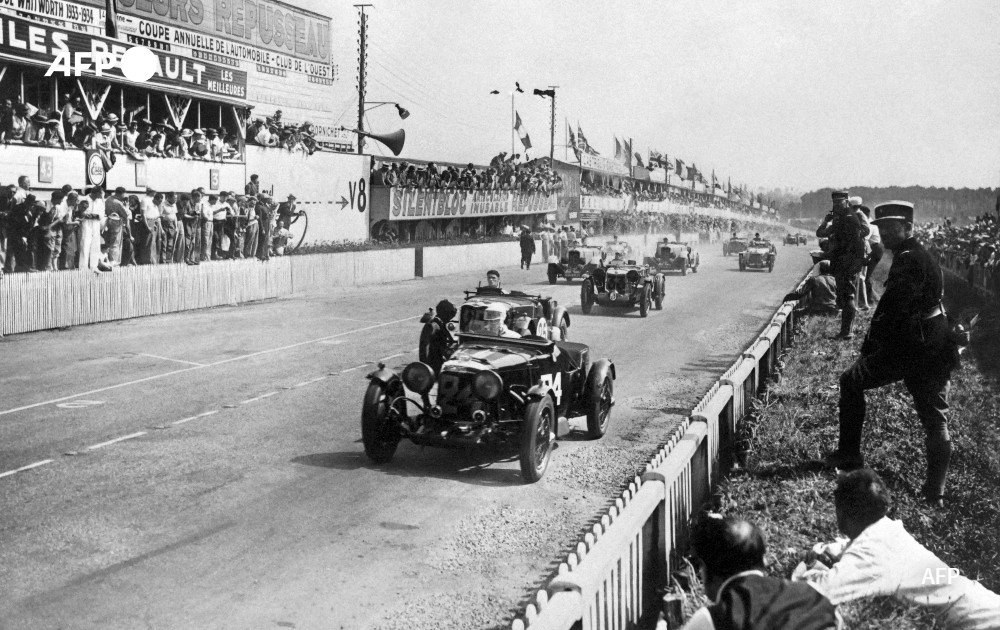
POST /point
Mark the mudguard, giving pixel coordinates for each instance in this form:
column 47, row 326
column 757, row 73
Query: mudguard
column 557, row 315
column 600, row 369
column 537, row 392
column 383, row 375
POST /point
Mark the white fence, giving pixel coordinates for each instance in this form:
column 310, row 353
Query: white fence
column 609, row 581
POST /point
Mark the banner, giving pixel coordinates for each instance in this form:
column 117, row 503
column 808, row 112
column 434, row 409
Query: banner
column 58, row 10
column 25, row 41
column 606, row 165
column 412, row 205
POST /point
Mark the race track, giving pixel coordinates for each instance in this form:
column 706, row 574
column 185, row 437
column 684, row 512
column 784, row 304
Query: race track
column 204, row 469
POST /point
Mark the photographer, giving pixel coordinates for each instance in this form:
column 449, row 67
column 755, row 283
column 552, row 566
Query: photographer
column 436, row 340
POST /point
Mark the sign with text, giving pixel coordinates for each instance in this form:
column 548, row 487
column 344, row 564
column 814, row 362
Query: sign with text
column 412, row 205
column 603, row 164
column 60, row 51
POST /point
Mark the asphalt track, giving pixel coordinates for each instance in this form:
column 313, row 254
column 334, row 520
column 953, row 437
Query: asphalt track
column 204, row 469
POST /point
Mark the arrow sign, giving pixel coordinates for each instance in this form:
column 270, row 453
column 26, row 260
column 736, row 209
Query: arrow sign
column 343, row 202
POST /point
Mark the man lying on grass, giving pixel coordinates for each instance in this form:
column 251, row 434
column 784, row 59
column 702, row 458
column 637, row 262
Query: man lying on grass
column 880, row 558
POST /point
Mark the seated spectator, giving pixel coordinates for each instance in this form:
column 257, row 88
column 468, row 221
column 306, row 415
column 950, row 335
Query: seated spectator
column 730, row 555
column 199, row 145
column 819, row 291
column 880, row 558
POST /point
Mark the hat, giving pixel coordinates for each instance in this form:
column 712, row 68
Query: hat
column 292, row 197
column 854, row 201
column 838, row 195
column 263, row 197
column 112, row 118
column 105, row 128
column 121, row 127
column 445, row 310
column 39, row 117
column 186, row 133
column 199, row 132
column 898, row 210
column 212, row 132
column 54, row 119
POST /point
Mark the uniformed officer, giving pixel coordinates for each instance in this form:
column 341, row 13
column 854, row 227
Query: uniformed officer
column 846, row 232
column 908, row 340
column 435, row 338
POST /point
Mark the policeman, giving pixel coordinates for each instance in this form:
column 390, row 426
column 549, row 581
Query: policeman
column 436, row 340
column 847, row 232
column 908, row 340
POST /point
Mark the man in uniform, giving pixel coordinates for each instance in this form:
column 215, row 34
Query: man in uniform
column 527, row 248
column 847, row 233
column 286, row 212
column 435, row 338
column 909, row 340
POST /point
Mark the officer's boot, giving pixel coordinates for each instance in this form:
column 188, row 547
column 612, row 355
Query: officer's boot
column 938, row 455
column 847, row 320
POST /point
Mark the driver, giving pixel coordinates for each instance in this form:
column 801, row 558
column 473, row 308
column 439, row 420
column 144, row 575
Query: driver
column 618, row 260
column 492, row 283
column 436, row 341
column 493, row 322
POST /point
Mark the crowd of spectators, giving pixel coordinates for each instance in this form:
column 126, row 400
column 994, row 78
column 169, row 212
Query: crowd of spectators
column 95, row 230
column 272, row 131
column 971, row 247
column 503, row 174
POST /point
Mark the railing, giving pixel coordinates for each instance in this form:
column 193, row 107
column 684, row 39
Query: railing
column 984, row 280
column 609, row 581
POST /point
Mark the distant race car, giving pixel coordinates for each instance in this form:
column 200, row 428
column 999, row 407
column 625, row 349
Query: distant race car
column 673, row 256
column 623, row 284
column 487, row 309
column 758, row 255
column 579, row 259
column 492, row 390
column 794, row 239
column 734, row 245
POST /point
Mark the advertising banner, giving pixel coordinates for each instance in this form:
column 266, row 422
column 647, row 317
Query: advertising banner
column 413, row 205
column 603, row 164
column 23, row 41
column 603, row 204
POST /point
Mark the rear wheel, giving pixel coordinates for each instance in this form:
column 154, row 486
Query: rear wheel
column 537, row 434
column 602, row 396
column 379, row 428
column 553, row 274
column 645, row 301
column 587, row 296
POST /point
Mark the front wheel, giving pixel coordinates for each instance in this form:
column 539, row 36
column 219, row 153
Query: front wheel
column 553, row 274
column 645, row 301
column 602, row 398
column 587, row 296
column 661, row 287
column 770, row 266
column 537, row 434
column 379, row 428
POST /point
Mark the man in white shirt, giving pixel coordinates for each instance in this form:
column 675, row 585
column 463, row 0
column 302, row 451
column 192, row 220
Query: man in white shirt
column 881, row 558
column 207, row 209
column 877, row 251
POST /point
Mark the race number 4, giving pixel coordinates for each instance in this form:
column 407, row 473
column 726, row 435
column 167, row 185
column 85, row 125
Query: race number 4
column 553, row 381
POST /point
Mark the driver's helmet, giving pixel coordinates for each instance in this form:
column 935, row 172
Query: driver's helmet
column 492, row 322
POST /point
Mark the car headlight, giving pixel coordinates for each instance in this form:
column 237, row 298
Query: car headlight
column 487, row 385
column 418, row 377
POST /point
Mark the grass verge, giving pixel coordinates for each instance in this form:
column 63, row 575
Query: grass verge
column 791, row 499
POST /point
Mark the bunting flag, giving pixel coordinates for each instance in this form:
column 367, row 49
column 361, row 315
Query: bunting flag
column 680, row 169
column 655, row 157
column 618, row 149
column 582, row 139
column 572, row 141
column 638, row 161
column 522, row 133
column 693, row 172
column 111, row 19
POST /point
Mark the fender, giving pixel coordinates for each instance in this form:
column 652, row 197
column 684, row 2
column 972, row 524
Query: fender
column 557, row 315
column 601, row 368
column 383, row 375
column 537, row 392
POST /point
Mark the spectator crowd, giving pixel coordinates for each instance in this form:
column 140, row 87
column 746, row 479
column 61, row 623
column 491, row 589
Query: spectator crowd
column 970, row 247
column 98, row 231
column 503, row 174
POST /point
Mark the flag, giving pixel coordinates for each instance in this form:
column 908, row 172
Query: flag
column 582, row 139
column 111, row 18
column 680, row 169
column 618, row 149
column 522, row 133
column 572, row 141
column 544, row 93
column 693, row 172
column 638, row 160
column 655, row 157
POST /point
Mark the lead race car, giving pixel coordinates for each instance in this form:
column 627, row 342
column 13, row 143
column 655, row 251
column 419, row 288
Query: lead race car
column 492, row 390
column 760, row 254
column 673, row 256
column 623, row 284
column 487, row 308
column 735, row 245
column 579, row 260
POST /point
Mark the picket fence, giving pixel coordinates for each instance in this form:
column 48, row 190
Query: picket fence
column 610, row 579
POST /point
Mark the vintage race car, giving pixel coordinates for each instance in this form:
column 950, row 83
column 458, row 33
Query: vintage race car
column 794, row 239
column 612, row 248
column 759, row 255
column 492, row 390
column 623, row 285
column 488, row 311
column 673, row 256
column 579, row 259
column 734, row 246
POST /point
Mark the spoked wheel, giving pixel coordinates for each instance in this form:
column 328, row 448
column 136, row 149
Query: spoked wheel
column 379, row 421
column 537, row 435
column 587, row 296
column 602, row 398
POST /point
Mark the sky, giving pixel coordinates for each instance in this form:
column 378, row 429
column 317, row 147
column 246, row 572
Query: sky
column 772, row 94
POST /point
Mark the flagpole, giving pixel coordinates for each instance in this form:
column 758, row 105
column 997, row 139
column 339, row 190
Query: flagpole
column 512, row 125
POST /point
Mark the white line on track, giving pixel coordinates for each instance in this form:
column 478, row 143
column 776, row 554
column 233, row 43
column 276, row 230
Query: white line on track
column 356, row 367
column 390, row 357
column 115, row 441
column 24, row 468
column 206, row 365
column 156, row 356
column 190, row 418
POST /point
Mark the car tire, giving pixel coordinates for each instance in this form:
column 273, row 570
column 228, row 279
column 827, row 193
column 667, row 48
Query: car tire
column 553, row 275
column 646, row 300
column 564, row 329
column 770, row 266
column 536, row 438
column 379, row 434
column 661, row 288
column 587, row 296
column 601, row 398
column 684, row 269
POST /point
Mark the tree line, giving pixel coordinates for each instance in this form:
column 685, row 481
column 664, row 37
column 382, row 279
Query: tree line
column 932, row 204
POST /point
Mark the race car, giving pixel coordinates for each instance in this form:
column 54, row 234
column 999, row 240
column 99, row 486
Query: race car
column 490, row 311
column 623, row 284
column 734, row 245
column 673, row 256
column 579, row 259
column 616, row 248
column 794, row 239
column 759, row 254
column 493, row 390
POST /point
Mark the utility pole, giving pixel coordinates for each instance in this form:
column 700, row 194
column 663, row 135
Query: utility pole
column 512, row 124
column 552, row 125
column 362, row 59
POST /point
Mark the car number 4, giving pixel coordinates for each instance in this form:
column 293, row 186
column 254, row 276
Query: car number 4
column 554, row 382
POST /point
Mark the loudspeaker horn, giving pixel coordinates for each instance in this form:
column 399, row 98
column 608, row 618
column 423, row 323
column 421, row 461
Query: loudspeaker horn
column 393, row 141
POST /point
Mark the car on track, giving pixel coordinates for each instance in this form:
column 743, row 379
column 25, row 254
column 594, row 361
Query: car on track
column 623, row 284
column 673, row 256
column 794, row 239
column 493, row 390
column 579, row 260
column 734, row 246
column 613, row 248
column 759, row 254
column 526, row 313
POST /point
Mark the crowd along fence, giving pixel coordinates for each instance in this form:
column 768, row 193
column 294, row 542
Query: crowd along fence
column 984, row 280
column 611, row 578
